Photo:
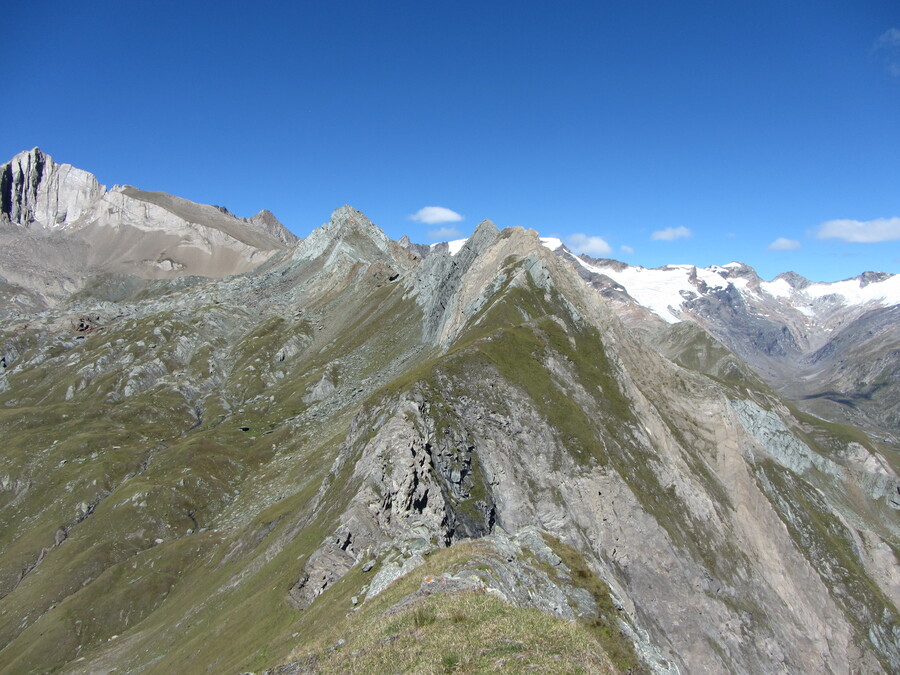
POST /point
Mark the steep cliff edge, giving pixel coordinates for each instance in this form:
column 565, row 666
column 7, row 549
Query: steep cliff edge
column 36, row 190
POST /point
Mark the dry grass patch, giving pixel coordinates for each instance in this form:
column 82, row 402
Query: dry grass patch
column 469, row 632
column 466, row 632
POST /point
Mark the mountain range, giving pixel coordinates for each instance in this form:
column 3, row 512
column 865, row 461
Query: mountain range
column 226, row 449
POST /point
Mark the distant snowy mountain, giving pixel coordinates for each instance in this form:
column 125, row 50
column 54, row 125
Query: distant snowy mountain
column 834, row 348
column 668, row 291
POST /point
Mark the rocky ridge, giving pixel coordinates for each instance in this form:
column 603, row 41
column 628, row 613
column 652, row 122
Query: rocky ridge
column 214, row 471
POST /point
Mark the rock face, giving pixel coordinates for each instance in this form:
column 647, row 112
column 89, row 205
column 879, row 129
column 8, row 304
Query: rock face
column 212, row 473
column 36, row 190
column 440, row 278
column 59, row 228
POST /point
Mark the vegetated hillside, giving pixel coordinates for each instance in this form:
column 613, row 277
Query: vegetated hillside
column 353, row 456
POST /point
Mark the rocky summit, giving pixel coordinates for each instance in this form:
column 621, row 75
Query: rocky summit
column 60, row 229
column 352, row 454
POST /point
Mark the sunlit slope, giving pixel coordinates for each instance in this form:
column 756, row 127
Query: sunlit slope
column 238, row 474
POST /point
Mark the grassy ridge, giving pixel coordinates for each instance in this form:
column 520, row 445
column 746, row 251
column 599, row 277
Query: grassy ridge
column 466, row 632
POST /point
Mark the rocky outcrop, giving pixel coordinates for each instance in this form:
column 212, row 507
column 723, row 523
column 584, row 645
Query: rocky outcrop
column 62, row 228
column 36, row 191
column 421, row 250
column 419, row 479
column 439, row 278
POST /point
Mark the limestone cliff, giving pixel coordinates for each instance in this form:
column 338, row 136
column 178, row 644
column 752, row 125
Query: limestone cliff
column 59, row 227
column 35, row 190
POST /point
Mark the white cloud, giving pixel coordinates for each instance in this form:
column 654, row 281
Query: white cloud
column 434, row 215
column 889, row 38
column 861, row 231
column 444, row 234
column 627, row 249
column 582, row 243
column 672, row 233
column 784, row 244
column 888, row 47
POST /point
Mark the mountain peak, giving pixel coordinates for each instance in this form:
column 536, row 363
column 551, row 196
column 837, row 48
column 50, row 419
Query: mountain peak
column 346, row 211
column 349, row 217
column 486, row 226
column 264, row 216
column 795, row 281
column 348, row 232
column 35, row 152
column 867, row 278
column 483, row 236
column 35, row 189
column 267, row 221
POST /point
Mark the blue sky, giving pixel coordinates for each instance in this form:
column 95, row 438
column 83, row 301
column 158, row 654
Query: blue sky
column 670, row 132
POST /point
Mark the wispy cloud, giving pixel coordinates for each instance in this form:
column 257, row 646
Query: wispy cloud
column 434, row 215
column 861, row 231
column 582, row 243
column 784, row 244
column 887, row 46
column 444, row 234
column 627, row 249
column 672, row 233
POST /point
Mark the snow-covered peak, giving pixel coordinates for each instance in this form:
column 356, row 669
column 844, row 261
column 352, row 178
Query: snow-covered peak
column 456, row 245
column 661, row 290
column 885, row 291
column 665, row 290
column 778, row 288
column 854, row 292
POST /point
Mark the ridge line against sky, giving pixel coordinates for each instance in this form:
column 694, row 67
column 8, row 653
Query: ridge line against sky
column 699, row 133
